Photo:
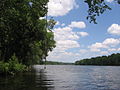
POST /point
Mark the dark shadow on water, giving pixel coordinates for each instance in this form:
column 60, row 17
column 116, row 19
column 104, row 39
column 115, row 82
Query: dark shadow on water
column 33, row 80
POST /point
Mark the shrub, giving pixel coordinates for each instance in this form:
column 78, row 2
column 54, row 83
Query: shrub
column 12, row 67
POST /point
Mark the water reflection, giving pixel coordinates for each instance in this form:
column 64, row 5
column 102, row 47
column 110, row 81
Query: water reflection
column 34, row 80
column 61, row 77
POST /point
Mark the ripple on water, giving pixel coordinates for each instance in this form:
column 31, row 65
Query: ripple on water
column 61, row 77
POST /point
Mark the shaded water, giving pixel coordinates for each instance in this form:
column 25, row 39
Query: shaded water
column 61, row 77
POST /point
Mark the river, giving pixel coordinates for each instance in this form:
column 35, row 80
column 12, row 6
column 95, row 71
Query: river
column 64, row 77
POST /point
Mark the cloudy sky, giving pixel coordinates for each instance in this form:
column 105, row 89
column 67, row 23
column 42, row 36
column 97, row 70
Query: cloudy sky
column 76, row 38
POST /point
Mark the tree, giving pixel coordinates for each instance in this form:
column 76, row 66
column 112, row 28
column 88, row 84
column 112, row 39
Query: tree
column 22, row 32
column 97, row 7
column 113, row 59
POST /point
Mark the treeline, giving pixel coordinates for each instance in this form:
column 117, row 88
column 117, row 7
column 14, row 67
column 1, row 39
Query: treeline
column 56, row 63
column 113, row 59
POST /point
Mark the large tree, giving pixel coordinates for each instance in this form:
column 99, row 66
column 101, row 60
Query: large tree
column 22, row 32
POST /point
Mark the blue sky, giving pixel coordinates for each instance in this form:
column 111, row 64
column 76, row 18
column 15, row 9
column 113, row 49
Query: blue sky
column 76, row 38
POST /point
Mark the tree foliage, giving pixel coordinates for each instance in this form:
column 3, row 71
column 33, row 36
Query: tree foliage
column 97, row 7
column 113, row 59
column 22, row 32
column 12, row 66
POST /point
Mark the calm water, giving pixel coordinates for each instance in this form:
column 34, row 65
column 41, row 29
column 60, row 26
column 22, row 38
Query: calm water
column 61, row 77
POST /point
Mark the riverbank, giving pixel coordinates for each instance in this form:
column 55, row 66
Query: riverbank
column 111, row 60
column 57, row 63
column 12, row 67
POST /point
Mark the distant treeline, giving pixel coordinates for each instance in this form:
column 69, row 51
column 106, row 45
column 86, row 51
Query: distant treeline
column 56, row 63
column 113, row 60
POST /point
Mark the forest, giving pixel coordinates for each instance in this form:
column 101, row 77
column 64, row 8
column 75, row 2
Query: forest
column 56, row 63
column 111, row 60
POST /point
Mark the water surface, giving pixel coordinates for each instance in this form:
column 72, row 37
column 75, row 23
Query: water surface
column 65, row 77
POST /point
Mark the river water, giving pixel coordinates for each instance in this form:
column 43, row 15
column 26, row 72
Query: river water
column 65, row 77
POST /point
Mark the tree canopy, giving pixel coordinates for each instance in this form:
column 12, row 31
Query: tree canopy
column 113, row 59
column 22, row 32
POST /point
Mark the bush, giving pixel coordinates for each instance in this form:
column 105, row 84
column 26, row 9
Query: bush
column 12, row 67
column 4, row 67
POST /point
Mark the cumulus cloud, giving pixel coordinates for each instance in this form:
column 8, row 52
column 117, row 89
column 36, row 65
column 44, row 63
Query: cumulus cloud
column 83, row 34
column 104, row 52
column 114, row 29
column 67, row 44
column 66, row 38
column 111, row 42
column 65, row 33
column 97, row 46
column 110, row 1
column 95, row 50
column 83, row 51
column 114, row 49
column 79, row 24
column 64, row 56
column 118, row 49
column 106, row 44
column 60, row 7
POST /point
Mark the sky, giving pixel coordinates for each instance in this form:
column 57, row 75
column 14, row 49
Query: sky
column 78, row 39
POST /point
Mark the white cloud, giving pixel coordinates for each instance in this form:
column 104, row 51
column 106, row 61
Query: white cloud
column 83, row 51
column 106, row 44
column 83, row 34
column 118, row 49
column 95, row 50
column 110, row 1
column 79, row 24
column 97, row 46
column 65, row 33
column 114, row 50
column 63, row 56
column 60, row 7
column 111, row 42
column 114, row 29
column 104, row 52
column 66, row 38
column 67, row 44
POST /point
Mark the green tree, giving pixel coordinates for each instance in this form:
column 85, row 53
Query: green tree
column 22, row 32
column 113, row 59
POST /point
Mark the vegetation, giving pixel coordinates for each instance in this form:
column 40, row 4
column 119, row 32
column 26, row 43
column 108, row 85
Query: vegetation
column 113, row 59
column 12, row 66
column 96, row 8
column 56, row 63
column 22, row 32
